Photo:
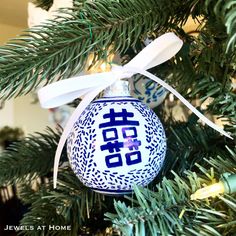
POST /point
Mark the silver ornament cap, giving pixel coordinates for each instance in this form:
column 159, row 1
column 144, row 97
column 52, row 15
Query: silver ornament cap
column 119, row 88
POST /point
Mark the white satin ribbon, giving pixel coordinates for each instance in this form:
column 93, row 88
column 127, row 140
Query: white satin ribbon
column 89, row 86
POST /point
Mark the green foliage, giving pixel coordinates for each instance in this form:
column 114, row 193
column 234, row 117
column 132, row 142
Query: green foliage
column 29, row 163
column 204, row 68
column 169, row 210
column 225, row 11
column 54, row 49
column 75, row 205
column 29, row 158
column 60, row 50
column 188, row 143
column 71, row 204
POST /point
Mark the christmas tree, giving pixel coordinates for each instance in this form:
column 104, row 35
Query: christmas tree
column 197, row 155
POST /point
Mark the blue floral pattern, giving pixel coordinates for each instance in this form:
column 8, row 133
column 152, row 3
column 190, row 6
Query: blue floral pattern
column 136, row 156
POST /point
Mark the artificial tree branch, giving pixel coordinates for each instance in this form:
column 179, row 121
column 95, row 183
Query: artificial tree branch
column 29, row 158
column 169, row 211
column 59, row 48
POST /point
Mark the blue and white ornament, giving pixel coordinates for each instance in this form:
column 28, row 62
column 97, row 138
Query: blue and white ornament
column 116, row 142
column 148, row 91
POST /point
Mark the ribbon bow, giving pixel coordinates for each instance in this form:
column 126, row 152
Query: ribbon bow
column 89, row 86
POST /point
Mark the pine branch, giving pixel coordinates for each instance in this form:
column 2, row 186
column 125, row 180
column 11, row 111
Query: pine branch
column 56, row 49
column 27, row 159
column 71, row 204
column 169, row 211
column 189, row 143
column 203, row 70
column 59, row 49
column 223, row 163
column 225, row 12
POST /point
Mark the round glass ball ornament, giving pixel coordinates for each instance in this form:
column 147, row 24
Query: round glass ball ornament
column 149, row 92
column 116, row 143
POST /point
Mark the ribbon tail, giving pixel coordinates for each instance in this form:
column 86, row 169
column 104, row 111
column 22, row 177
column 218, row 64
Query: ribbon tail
column 181, row 98
column 88, row 98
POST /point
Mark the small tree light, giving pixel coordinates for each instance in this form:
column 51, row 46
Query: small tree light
column 227, row 184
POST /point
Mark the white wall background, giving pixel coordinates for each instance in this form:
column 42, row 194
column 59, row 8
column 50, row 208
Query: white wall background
column 31, row 117
column 20, row 112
